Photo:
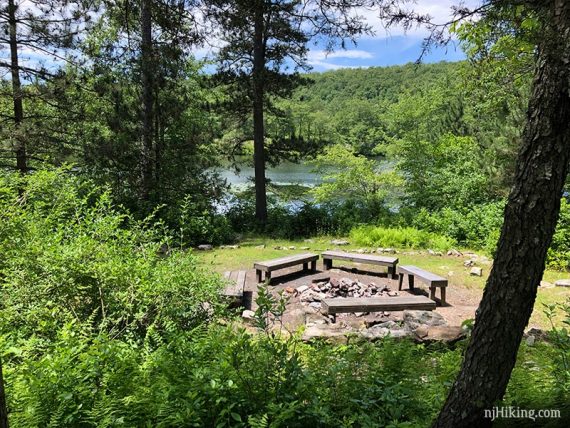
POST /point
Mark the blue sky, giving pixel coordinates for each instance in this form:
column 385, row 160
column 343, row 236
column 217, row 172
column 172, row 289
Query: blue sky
column 394, row 46
column 382, row 52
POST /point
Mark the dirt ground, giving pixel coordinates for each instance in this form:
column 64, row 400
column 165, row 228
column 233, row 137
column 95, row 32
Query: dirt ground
column 461, row 302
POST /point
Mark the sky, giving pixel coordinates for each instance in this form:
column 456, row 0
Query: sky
column 393, row 46
column 385, row 47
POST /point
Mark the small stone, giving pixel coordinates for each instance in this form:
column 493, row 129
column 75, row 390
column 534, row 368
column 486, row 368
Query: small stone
column 205, row 247
column 546, row 284
column 278, row 247
column 530, row 340
column 431, row 252
column 476, row 271
column 304, row 248
column 392, row 293
column 260, row 247
column 302, row 289
column 454, row 252
column 316, row 305
column 290, row 290
column 389, row 250
column 469, row 263
column 339, row 242
column 248, row 315
column 292, row 247
column 450, row 273
column 562, row 283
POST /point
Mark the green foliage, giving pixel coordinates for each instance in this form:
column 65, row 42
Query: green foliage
column 71, row 256
column 374, row 236
column 442, row 173
column 559, row 252
column 475, row 226
column 347, row 176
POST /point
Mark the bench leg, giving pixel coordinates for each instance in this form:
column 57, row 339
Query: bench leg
column 327, row 263
column 411, row 281
column 400, row 281
column 314, row 265
column 432, row 293
column 442, row 292
column 267, row 277
column 258, row 273
column 305, row 266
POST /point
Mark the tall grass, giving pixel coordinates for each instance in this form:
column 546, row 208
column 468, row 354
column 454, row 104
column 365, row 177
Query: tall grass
column 406, row 237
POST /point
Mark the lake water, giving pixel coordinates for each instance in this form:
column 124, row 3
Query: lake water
column 286, row 173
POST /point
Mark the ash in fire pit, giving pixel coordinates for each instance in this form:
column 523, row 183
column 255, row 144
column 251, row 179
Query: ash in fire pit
column 329, row 288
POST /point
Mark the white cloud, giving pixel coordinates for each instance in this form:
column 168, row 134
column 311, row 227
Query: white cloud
column 439, row 10
column 319, row 58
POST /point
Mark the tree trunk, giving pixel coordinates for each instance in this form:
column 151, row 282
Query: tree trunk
column 530, row 219
column 258, row 125
column 3, row 406
column 146, row 162
column 20, row 148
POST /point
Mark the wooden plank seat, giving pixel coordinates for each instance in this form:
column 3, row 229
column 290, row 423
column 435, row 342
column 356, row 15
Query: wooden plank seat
column 284, row 262
column 236, row 285
column 390, row 262
column 375, row 304
column 432, row 280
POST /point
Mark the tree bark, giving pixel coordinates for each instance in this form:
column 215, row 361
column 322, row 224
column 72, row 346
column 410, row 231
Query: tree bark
column 3, row 406
column 531, row 215
column 146, row 162
column 20, row 148
column 258, row 124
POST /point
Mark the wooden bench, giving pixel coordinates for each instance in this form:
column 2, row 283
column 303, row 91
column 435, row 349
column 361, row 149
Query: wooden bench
column 376, row 304
column 390, row 262
column 431, row 279
column 236, row 285
column 284, row 262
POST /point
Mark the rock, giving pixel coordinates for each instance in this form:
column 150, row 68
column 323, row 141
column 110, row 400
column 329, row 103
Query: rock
column 546, row 284
column 339, row 242
column 431, row 252
column 292, row 247
column 260, row 247
column 248, row 315
column 329, row 332
column 413, row 319
column 205, row 247
column 304, row 248
column 469, row 263
column 380, row 331
column 476, row 271
column 379, row 250
column 450, row 273
column 302, row 288
column 290, row 290
column 278, row 247
column 389, row 250
column 530, row 340
column 447, row 334
column 454, row 252
column 562, row 283
column 360, row 251
column 392, row 293
column 229, row 247
column 316, row 305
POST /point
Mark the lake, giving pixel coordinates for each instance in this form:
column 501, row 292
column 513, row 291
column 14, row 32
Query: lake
column 286, row 173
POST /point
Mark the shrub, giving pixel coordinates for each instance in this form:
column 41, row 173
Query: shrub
column 407, row 237
column 70, row 256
